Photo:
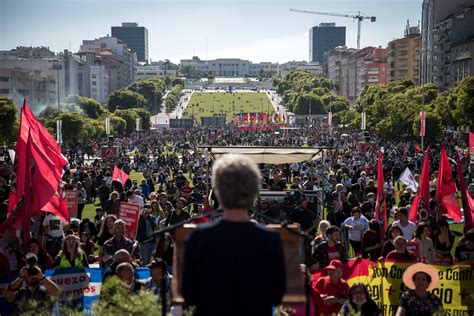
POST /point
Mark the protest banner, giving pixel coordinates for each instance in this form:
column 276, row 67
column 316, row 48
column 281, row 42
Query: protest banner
column 72, row 198
column 80, row 288
column 385, row 284
column 129, row 213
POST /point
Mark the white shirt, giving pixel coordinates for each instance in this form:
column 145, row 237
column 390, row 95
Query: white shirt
column 55, row 225
column 408, row 230
column 136, row 199
column 358, row 227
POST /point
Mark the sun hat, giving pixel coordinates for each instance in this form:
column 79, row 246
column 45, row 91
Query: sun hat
column 420, row 267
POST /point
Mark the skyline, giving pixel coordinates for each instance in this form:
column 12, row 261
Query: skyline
column 259, row 31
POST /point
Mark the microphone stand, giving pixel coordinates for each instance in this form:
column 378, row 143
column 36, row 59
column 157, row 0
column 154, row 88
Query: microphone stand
column 160, row 233
column 305, row 237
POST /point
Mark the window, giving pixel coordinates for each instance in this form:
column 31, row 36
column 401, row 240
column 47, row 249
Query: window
column 4, row 91
column 4, row 79
column 94, row 76
column 94, row 89
column 94, row 83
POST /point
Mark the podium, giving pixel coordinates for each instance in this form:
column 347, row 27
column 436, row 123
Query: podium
column 294, row 294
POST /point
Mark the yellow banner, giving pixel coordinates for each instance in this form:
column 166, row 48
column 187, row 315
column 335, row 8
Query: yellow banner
column 455, row 287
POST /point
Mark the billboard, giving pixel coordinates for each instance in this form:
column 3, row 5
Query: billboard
column 213, row 121
column 181, row 123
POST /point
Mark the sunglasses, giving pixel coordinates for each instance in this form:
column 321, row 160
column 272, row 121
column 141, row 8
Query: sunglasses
column 71, row 241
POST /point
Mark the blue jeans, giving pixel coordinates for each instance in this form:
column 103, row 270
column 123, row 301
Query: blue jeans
column 146, row 249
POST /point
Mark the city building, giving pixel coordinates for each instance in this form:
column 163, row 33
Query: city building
column 324, row 37
column 119, row 61
column 230, row 67
column 334, row 60
column 352, row 70
column 453, row 50
column 153, row 70
column 135, row 37
column 312, row 67
column 434, row 12
column 404, row 56
column 40, row 80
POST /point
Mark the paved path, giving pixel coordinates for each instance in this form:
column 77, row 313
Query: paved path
column 164, row 118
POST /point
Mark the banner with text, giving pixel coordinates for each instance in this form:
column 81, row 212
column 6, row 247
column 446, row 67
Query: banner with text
column 385, row 284
column 129, row 213
column 80, row 288
column 72, row 198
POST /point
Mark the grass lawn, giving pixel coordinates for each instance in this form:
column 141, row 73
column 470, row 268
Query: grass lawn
column 228, row 104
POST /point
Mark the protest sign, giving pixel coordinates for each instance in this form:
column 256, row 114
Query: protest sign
column 80, row 288
column 414, row 246
column 129, row 213
column 72, row 198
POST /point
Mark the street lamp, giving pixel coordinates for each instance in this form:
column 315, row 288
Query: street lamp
column 57, row 65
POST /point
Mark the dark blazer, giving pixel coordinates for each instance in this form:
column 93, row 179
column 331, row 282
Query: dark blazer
column 233, row 269
column 141, row 230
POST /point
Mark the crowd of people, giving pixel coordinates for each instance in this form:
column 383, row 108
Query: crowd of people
column 176, row 187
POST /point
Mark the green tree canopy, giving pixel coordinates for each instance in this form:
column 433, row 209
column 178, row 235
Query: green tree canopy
column 126, row 99
column 8, row 121
column 91, row 107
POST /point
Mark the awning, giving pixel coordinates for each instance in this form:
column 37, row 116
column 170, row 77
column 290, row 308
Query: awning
column 270, row 155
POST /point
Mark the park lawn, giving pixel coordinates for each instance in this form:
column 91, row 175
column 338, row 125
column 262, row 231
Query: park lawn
column 89, row 209
column 227, row 103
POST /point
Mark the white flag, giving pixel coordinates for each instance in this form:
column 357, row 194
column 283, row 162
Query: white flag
column 408, row 179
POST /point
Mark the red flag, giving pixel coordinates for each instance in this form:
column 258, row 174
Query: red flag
column 20, row 214
column 48, row 165
column 48, row 154
column 380, row 206
column 119, row 175
column 446, row 192
column 467, row 200
column 422, row 196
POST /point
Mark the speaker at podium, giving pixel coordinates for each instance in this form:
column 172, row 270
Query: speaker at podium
column 295, row 292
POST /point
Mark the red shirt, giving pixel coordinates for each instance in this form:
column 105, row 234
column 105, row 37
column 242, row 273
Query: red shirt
column 333, row 253
column 324, row 286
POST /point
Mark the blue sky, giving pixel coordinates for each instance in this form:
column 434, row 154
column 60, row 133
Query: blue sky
column 259, row 30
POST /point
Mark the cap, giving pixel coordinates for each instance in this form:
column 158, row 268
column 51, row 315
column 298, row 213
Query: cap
column 335, row 264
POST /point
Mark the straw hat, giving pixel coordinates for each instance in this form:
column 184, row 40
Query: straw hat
column 420, row 267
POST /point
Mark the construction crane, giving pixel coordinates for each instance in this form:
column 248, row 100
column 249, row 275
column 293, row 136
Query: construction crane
column 357, row 17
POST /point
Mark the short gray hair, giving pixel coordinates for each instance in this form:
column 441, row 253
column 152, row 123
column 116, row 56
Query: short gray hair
column 236, row 181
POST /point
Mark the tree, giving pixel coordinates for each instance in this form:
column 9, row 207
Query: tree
column 129, row 115
column 177, row 81
column 335, row 103
column 125, row 99
column 149, row 89
column 144, row 116
column 462, row 97
column 8, row 121
column 91, row 107
column 118, row 126
column 434, row 127
column 72, row 126
column 306, row 101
